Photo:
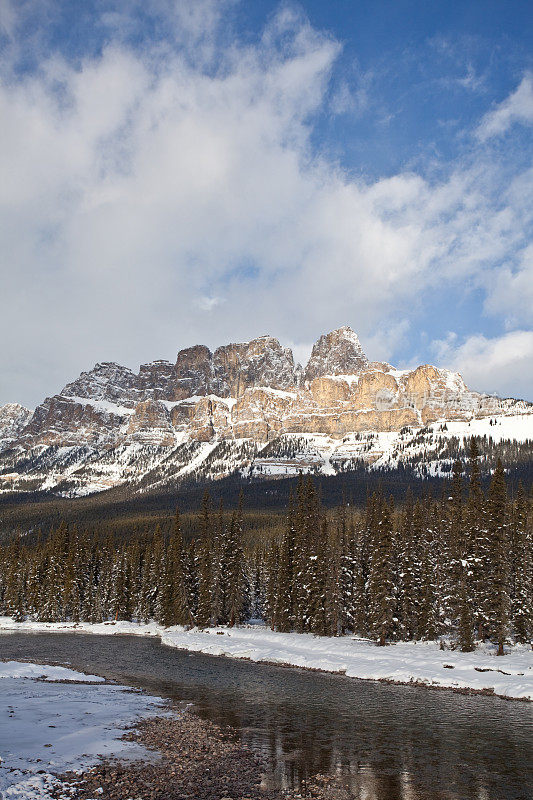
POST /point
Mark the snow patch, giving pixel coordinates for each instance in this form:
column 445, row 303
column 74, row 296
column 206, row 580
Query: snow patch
column 100, row 405
column 47, row 728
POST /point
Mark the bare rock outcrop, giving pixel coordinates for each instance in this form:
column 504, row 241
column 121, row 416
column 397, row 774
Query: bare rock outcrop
column 13, row 419
column 151, row 424
column 249, row 390
column 193, row 372
column 157, row 380
column 261, row 362
column 336, row 353
column 261, row 413
column 106, row 381
column 67, row 422
column 211, row 417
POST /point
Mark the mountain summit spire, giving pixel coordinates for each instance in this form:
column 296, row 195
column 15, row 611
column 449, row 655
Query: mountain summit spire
column 212, row 413
column 336, row 353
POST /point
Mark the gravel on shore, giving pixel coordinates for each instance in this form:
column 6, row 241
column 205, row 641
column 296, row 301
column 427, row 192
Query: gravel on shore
column 196, row 760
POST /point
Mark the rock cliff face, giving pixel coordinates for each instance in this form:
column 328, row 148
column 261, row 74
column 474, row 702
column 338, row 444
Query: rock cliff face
column 13, row 419
column 249, row 391
column 261, row 362
column 336, row 353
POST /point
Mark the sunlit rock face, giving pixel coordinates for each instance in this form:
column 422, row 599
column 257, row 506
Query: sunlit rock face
column 261, row 362
column 249, row 391
column 193, row 372
column 336, row 353
column 151, row 424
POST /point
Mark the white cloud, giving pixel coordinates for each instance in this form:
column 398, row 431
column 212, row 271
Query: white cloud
column 142, row 187
column 471, row 80
column 387, row 340
column 206, row 303
column 511, row 291
column 501, row 365
column 518, row 107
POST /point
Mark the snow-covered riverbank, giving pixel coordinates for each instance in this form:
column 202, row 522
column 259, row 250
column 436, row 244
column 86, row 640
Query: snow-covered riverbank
column 407, row 662
column 48, row 726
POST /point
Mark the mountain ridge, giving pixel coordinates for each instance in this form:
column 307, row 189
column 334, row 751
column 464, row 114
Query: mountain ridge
column 112, row 425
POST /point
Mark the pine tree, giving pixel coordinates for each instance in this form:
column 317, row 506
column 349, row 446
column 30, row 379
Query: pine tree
column 204, row 616
column 175, row 602
column 380, row 586
column 522, row 569
column 477, row 554
column 498, row 600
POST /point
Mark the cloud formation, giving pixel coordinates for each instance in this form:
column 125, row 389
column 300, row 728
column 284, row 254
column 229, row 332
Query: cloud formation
column 165, row 195
column 491, row 363
column 517, row 108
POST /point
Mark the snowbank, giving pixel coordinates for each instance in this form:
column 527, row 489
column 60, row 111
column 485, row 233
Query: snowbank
column 18, row 669
column 48, row 727
column 406, row 662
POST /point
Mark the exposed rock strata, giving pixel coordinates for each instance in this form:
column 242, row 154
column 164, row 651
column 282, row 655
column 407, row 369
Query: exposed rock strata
column 336, row 353
column 241, row 391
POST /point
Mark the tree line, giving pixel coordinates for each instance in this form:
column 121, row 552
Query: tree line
column 459, row 566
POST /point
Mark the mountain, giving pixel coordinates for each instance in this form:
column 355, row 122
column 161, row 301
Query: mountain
column 246, row 407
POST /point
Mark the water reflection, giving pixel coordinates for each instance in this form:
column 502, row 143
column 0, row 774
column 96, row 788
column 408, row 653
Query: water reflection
column 384, row 742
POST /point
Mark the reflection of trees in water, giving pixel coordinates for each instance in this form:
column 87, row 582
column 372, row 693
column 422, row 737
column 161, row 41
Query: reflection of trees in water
column 419, row 746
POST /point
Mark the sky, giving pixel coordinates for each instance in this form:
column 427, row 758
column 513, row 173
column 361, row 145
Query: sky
column 209, row 171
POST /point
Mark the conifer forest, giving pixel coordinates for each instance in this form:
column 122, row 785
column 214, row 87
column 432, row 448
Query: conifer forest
column 457, row 566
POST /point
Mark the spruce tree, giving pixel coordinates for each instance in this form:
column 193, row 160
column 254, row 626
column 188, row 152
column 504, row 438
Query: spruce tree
column 234, row 570
column 498, row 598
column 522, row 569
column 406, row 571
column 454, row 545
column 477, row 554
column 204, row 615
column 285, row 591
column 175, row 603
column 380, row 586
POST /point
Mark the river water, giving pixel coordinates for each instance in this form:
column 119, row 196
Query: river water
column 384, row 742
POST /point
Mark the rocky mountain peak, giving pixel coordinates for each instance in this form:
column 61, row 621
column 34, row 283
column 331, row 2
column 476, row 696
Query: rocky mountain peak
column 336, row 353
column 260, row 362
column 13, row 418
column 105, row 381
column 113, row 426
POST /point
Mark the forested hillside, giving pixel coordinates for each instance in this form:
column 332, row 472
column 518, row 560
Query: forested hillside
column 458, row 565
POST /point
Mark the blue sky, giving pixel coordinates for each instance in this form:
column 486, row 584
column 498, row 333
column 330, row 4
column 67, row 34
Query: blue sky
column 183, row 172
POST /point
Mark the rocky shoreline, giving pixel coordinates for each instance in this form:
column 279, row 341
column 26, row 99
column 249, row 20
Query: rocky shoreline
column 194, row 759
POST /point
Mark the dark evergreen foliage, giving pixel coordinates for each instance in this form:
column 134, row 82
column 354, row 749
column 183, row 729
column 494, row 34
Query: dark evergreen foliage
column 460, row 566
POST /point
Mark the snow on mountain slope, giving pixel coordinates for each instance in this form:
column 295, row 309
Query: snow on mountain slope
column 432, row 448
column 247, row 407
column 13, row 420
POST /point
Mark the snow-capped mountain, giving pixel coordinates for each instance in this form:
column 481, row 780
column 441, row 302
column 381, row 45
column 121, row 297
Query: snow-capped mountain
column 245, row 407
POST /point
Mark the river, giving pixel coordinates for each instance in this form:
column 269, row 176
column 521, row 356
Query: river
column 385, row 742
